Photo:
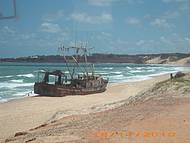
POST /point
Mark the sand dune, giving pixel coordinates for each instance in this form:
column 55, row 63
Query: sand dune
column 184, row 61
column 169, row 60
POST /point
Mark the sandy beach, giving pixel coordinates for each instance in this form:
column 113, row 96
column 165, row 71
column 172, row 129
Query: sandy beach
column 153, row 110
column 24, row 114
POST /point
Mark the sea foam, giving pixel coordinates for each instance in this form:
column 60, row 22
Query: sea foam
column 7, row 76
column 26, row 75
column 14, row 85
column 22, row 93
column 17, row 80
column 108, row 68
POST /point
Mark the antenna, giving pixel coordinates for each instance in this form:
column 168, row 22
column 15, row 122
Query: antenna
column 10, row 17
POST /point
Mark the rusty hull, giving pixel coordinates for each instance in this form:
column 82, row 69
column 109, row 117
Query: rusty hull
column 45, row 89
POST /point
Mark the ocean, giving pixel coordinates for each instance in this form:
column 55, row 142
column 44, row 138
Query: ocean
column 17, row 79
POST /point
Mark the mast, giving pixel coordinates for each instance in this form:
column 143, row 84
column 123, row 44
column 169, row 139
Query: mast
column 78, row 50
column 62, row 48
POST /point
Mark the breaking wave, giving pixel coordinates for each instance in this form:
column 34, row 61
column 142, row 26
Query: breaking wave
column 26, row 75
column 9, row 85
column 108, row 68
column 17, row 80
column 17, row 84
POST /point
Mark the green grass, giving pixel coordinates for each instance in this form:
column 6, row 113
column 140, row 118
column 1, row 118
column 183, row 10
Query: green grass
column 175, row 84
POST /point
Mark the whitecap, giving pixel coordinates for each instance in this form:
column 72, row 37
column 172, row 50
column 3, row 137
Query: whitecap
column 150, row 70
column 128, row 67
column 17, row 80
column 115, row 77
column 140, row 68
column 161, row 73
column 107, row 68
column 139, row 78
column 39, row 71
column 102, row 73
column 7, row 76
column 117, row 72
column 135, row 71
column 25, row 75
column 22, row 93
column 14, row 85
column 131, row 79
column 66, row 72
column 3, row 100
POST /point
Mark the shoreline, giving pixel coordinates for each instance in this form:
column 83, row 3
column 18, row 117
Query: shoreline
column 27, row 113
column 146, row 77
column 167, row 64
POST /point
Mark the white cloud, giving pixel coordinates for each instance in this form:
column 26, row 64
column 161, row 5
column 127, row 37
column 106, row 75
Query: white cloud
column 53, row 17
column 161, row 23
column 169, row 43
column 184, row 7
column 7, row 34
column 50, row 27
column 171, row 14
column 10, row 34
column 133, row 21
column 122, row 43
column 110, row 2
column 26, row 36
column 165, row 40
column 85, row 18
column 140, row 42
column 150, row 44
column 175, row 41
column 7, row 29
column 106, row 34
column 187, row 40
column 100, row 2
column 118, row 45
column 134, row 1
column 168, row 1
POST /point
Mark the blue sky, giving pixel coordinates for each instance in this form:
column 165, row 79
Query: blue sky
column 110, row 26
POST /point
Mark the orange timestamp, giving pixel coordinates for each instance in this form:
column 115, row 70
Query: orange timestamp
column 135, row 134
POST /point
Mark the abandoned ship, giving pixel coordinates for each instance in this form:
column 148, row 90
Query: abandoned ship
column 78, row 79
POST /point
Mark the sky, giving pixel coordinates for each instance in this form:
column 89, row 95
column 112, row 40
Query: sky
column 109, row 26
